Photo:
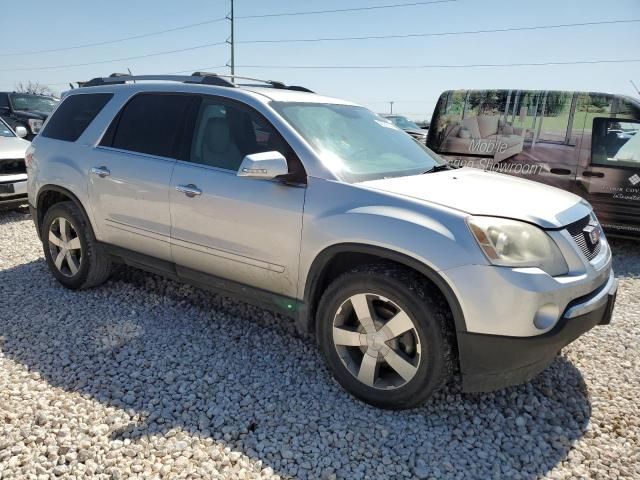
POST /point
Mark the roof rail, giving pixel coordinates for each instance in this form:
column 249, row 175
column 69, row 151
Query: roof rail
column 204, row 78
column 119, row 78
column 272, row 83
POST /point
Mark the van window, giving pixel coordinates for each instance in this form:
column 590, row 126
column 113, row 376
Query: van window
column 74, row 115
column 152, row 123
column 615, row 142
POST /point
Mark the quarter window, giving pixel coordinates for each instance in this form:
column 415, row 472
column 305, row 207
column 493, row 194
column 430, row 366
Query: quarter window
column 74, row 115
column 152, row 124
column 615, row 142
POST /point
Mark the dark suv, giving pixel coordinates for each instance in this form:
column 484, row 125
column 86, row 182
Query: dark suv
column 27, row 110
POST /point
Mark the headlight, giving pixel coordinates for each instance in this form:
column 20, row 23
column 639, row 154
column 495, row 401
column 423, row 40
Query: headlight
column 510, row 243
column 34, row 125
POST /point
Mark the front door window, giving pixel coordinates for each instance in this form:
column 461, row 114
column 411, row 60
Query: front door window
column 615, row 143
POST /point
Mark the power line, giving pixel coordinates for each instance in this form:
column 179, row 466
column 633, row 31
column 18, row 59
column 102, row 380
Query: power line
column 190, row 70
column 117, row 40
column 344, row 10
column 216, row 20
column 155, row 54
column 197, row 69
column 399, row 67
column 367, row 37
column 439, row 34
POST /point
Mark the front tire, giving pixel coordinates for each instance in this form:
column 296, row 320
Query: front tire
column 71, row 250
column 386, row 335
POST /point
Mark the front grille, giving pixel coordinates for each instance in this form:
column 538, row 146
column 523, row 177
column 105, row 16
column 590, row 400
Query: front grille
column 12, row 165
column 576, row 230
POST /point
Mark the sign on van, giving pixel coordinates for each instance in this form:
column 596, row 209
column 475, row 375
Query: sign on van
column 584, row 142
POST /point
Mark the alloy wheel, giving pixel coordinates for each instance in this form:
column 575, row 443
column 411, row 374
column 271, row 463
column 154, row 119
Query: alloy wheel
column 65, row 247
column 377, row 341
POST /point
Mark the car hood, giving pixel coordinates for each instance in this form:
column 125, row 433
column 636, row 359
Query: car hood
column 13, row 147
column 486, row 193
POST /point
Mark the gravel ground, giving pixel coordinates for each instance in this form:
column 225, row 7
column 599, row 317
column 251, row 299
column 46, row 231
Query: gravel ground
column 151, row 378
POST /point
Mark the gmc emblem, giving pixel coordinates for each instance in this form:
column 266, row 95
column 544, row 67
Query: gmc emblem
column 592, row 233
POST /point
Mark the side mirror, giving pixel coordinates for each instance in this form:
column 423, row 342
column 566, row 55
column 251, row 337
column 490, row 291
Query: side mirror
column 264, row 165
column 21, row 131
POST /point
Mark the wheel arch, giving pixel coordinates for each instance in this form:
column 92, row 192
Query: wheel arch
column 331, row 258
column 49, row 195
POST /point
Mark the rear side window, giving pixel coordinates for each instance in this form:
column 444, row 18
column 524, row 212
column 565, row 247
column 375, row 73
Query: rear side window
column 74, row 115
column 154, row 124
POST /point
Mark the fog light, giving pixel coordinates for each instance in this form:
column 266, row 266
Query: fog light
column 546, row 316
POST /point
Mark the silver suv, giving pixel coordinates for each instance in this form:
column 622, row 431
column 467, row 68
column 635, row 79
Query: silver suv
column 406, row 270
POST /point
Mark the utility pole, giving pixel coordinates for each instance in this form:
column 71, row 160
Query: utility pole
column 230, row 41
column 391, row 107
column 634, row 86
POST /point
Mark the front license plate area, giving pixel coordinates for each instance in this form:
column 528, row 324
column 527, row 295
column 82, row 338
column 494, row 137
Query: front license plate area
column 7, row 188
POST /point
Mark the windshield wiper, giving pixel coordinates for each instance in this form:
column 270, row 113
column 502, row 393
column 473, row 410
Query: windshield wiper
column 438, row 168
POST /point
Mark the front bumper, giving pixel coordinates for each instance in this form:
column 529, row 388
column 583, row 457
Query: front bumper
column 13, row 190
column 490, row 362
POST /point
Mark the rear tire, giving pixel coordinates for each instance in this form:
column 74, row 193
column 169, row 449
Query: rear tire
column 386, row 336
column 74, row 256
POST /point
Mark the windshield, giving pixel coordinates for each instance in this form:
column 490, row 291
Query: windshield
column 355, row 143
column 24, row 101
column 403, row 122
column 5, row 131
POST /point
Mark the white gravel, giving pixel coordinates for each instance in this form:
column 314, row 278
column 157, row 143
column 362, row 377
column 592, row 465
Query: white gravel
column 151, row 378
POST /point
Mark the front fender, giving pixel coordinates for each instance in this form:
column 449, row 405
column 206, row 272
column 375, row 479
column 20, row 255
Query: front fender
column 428, row 238
column 337, row 213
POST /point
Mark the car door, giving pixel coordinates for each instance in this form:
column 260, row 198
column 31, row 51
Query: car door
column 242, row 230
column 609, row 178
column 131, row 172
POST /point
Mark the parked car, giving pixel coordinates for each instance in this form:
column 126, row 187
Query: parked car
column 13, row 173
column 406, row 269
column 26, row 110
column 582, row 142
column 408, row 126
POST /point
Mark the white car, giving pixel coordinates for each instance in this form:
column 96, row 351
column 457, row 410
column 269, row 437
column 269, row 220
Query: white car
column 13, row 172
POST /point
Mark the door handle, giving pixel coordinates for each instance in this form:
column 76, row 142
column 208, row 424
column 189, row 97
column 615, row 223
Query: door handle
column 560, row 171
column 101, row 171
column 589, row 173
column 189, row 190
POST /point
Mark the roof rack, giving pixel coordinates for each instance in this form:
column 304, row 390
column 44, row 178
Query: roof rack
column 197, row 77
column 204, row 78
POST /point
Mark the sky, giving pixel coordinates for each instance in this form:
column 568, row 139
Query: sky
column 414, row 91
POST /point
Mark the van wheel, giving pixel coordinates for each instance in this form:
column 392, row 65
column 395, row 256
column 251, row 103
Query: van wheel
column 386, row 336
column 71, row 250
